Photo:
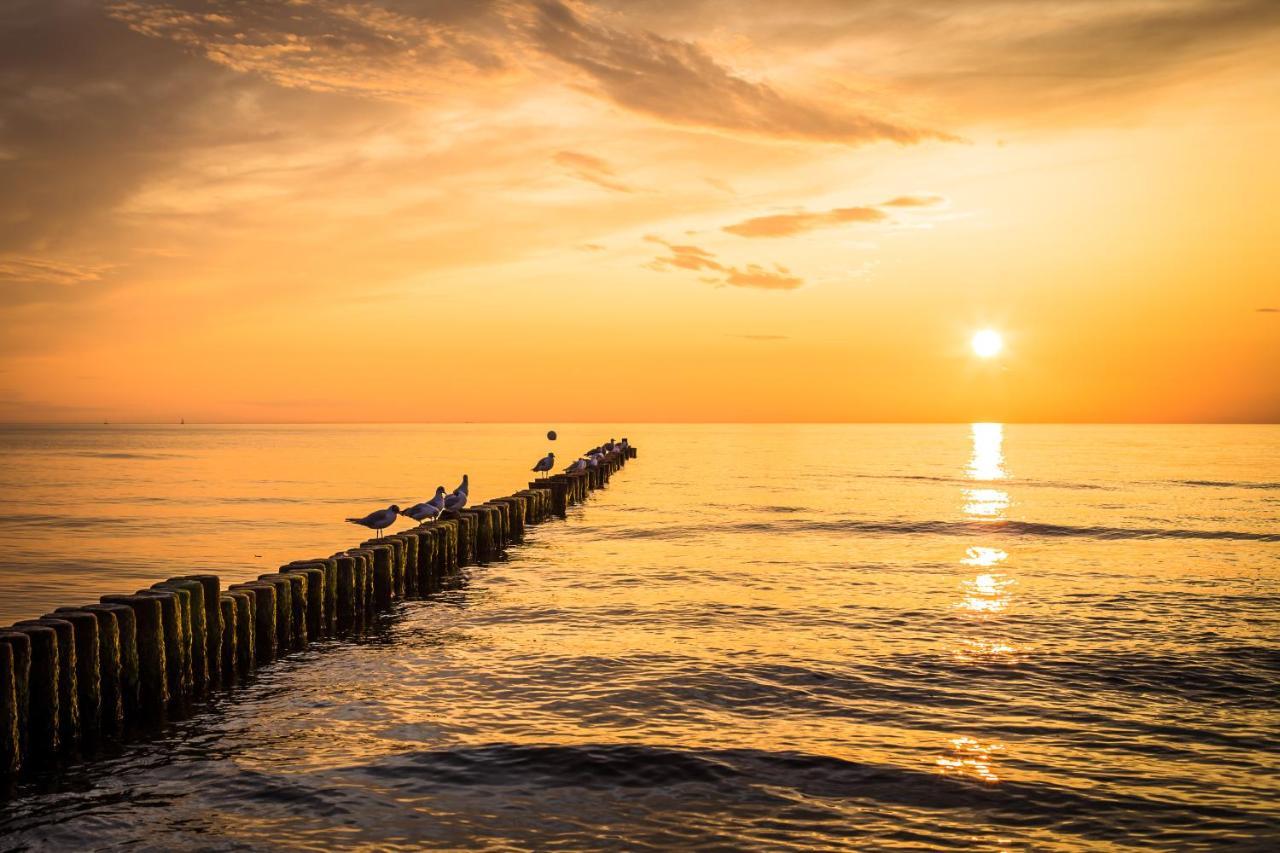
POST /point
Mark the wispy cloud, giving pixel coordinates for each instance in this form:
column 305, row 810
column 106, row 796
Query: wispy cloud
column 680, row 82
column 693, row 258
column 49, row 272
column 914, row 201
column 590, row 168
column 787, row 224
column 1268, row 310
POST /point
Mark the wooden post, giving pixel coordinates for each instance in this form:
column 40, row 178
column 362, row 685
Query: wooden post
column 197, row 625
column 98, row 670
column 265, row 637
column 127, row 686
column 347, row 602
column 19, row 645
column 152, row 666
column 43, row 733
column 212, row 625
column 227, row 605
column 68, row 692
column 246, row 631
column 171, row 616
column 10, row 733
column 315, row 595
column 284, row 612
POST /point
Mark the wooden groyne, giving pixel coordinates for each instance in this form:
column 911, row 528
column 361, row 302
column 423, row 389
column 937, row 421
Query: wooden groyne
column 87, row 676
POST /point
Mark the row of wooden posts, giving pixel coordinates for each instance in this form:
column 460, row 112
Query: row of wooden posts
column 86, row 676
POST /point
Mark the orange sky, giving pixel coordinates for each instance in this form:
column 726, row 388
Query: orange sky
column 428, row 210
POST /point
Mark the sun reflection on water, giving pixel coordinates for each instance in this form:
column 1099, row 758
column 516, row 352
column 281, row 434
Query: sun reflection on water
column 971, row 758
column 986, row 595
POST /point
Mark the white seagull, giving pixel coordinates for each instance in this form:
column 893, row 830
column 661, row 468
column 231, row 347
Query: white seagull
column 379, row 519
column 426, row 509
column 545, row 463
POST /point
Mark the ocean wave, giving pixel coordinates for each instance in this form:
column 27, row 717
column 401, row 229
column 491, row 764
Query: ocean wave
column 947, row 528
column 1228, row 484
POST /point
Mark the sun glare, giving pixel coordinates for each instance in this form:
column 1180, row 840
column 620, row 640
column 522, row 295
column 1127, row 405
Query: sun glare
column 987, row 343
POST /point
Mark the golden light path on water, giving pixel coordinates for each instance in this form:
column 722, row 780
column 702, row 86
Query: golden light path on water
column 986, row 595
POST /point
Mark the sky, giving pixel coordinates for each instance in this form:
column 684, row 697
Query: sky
column 498, row 210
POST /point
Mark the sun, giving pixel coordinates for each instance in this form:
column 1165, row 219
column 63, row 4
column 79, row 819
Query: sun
column 987, row 343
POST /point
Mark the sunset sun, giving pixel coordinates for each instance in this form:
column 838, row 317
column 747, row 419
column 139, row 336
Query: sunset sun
column 987, row 343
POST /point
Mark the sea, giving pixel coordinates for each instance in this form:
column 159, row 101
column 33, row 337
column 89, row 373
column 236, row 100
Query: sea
column 759, row 637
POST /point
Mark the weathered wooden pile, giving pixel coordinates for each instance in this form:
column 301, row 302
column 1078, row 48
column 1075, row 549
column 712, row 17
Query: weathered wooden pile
column 86, row 676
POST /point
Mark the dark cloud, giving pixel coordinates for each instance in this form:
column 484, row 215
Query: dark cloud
column 591, row 169
column 787, row 224
column 1268, row 310
column 678, row 81
column 685, row 257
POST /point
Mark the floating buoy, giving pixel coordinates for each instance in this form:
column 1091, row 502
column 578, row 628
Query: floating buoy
column 551, row 436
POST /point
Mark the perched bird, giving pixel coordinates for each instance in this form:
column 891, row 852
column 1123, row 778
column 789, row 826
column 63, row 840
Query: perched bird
column 464, row 488
column 579, row 465
column 426, row 509
column 545, row 463
column 379, row 519
column 455, row 502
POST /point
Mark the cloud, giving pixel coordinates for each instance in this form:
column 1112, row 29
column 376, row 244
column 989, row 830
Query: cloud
column 380, row 49
column 679, row 82
column 914, row 201
column 761, row 337
column 693, row 258
column 591, row 169
column 1268, row 310
column 788, row 224
column 41, row 271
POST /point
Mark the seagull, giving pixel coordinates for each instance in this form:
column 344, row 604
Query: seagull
column 455, row 502
column 378, row 519
column 580, row 465
column 426, row 509
column 545, row 463
column 464, row 488
column 594, row 461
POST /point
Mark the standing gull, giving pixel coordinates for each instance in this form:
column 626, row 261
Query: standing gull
column 579, row 465
column 455, row 501
column 379, row 519
column 427, row 509
column 545, row 463
column 464, row 488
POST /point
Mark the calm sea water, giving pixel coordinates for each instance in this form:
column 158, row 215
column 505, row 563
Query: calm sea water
column 758, row 637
